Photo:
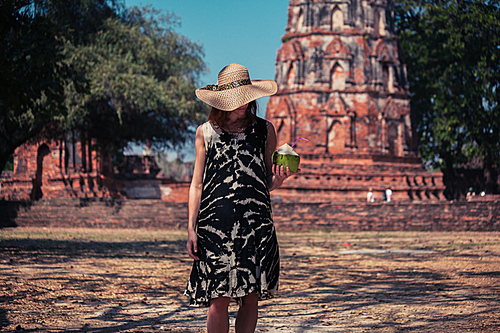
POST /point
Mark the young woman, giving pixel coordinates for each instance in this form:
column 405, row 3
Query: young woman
column 231, row 234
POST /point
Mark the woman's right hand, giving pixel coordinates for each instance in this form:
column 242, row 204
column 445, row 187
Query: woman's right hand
column 192, row 245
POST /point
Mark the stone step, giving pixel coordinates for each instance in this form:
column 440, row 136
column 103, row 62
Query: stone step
column 348, row 216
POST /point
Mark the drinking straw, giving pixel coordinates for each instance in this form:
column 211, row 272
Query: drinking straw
column 298, row 140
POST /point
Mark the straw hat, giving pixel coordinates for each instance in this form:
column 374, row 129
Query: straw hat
column 234, row 89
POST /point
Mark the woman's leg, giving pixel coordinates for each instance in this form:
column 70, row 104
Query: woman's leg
column 246, row 320
column 218, row 318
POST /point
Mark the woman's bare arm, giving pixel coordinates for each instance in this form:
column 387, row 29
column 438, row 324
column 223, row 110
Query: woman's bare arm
column 195, row 193
column 276, row 174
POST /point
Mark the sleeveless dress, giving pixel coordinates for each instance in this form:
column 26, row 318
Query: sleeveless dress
column 237, row 243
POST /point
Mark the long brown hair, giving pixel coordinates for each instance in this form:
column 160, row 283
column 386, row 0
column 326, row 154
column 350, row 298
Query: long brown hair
column 219, row 118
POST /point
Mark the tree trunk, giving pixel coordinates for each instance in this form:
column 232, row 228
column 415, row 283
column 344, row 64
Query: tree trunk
column 452, row 191
column 5, row 153
column 3, row 161
column 12, row 136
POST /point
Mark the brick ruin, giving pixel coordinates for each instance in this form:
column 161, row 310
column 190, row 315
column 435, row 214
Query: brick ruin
column 73, row 167
column 54, row 168
column 342, row 85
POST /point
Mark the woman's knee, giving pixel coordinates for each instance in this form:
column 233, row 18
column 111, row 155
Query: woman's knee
column 250, row 300
column 220, row 303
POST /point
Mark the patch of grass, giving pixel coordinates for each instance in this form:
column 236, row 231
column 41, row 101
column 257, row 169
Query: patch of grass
column 102, row 235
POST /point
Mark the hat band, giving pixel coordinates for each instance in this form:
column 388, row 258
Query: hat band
column 230, row 85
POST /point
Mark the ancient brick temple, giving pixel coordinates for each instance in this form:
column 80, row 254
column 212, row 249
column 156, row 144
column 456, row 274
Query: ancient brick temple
column 342, row 85
column 73, row 166
column 65, row 167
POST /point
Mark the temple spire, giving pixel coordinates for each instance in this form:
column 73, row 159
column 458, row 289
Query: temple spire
column 343, row 86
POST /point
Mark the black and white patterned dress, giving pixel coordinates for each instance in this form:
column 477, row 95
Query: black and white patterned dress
column 237, row 243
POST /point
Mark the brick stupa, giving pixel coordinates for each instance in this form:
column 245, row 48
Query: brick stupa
column 342, row 85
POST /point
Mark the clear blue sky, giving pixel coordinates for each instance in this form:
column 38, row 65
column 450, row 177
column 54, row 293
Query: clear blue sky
column 231, row 31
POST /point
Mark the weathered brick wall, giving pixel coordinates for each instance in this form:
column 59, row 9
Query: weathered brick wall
column 430, row 216
column 157, row 214
column 98, row 213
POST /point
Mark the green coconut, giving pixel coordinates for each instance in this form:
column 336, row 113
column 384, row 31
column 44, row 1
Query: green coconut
column 287, row 157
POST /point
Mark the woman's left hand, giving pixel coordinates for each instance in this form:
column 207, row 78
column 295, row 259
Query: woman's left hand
column 280, row 174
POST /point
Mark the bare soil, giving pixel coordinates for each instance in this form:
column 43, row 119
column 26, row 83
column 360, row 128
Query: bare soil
column 124, row 280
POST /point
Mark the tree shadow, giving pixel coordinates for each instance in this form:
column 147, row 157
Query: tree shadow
column 333, row 285
column 3, row 318
column 55, row 258
column 49, row 251
column 9, row 211
column 363, row 289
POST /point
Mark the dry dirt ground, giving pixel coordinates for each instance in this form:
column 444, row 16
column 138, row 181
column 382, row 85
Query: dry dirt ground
column 99, row 280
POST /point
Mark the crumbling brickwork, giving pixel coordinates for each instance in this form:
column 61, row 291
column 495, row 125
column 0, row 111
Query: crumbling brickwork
column 69, row 168
column 306, row 216
column 53, row 168
column 342, row 86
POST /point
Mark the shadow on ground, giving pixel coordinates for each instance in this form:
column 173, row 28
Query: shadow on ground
column 9, row 211
column 120, row 286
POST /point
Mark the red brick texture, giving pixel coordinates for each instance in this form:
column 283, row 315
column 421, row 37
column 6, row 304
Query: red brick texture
column 342, row 86
column 157, row 214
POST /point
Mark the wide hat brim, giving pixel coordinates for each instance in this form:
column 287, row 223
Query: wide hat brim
column 231, row 99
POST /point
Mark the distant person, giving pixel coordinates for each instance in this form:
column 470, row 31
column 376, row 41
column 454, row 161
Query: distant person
column 369, row 195
column 388, row 194
column 231, row 234
column 470, row 194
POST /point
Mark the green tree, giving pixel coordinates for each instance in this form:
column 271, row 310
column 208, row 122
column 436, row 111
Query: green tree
column 32, row 75
column 142, row 76
column 33, row 71
column 114, row 74
column 452, row 52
